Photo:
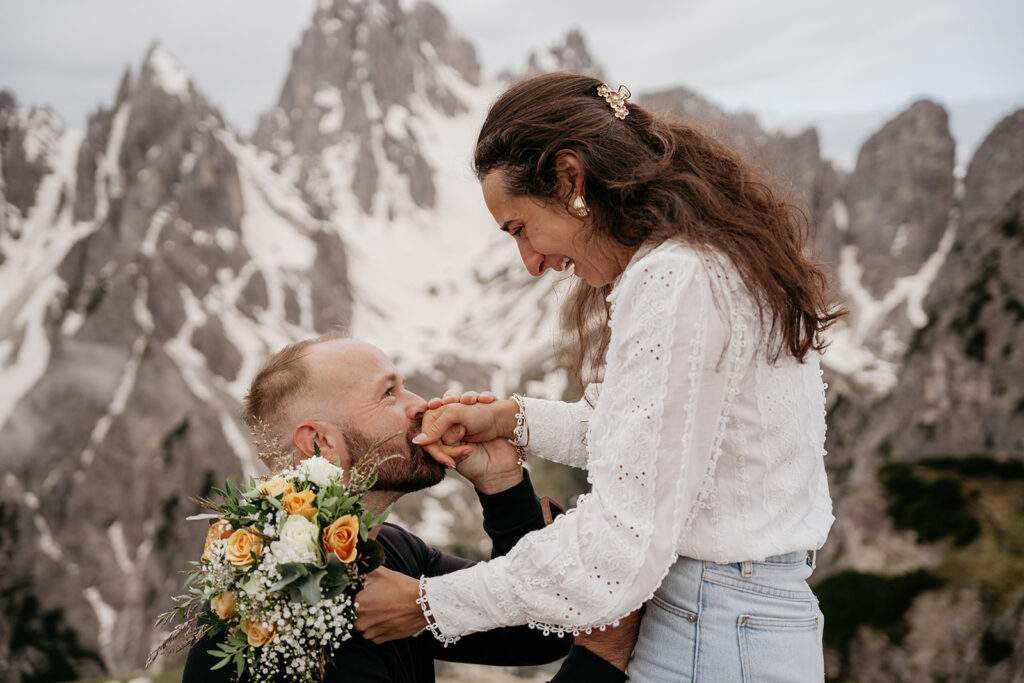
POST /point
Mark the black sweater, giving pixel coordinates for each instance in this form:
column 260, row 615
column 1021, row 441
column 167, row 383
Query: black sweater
column 508, row 516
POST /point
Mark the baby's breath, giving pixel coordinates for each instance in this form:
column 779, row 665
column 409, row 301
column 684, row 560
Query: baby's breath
column 294, row 589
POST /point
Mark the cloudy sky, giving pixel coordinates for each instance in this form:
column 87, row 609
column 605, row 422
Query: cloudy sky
column 847, row 67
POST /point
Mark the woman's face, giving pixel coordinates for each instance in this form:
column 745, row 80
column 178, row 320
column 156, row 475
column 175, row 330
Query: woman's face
column 548, row 236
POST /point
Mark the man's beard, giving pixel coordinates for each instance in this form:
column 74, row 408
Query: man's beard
column 412, row 471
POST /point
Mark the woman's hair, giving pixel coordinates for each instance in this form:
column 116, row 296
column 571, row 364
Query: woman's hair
column 647, row 178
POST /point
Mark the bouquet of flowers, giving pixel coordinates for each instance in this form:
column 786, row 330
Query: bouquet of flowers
column 280, row 569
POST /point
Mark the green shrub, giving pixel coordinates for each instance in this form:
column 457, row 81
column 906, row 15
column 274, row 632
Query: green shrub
column 976, row 466
column 934, row 509
column 851, row 599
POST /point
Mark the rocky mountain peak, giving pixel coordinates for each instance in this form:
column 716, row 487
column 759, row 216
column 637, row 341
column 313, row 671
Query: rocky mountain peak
column 571, row 55
column 363, row 77
column 164, row 71
column 29, row 146
column 996, row 172
column 900, row 194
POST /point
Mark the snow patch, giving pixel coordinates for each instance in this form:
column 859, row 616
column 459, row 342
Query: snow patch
column 395, row 122
column 841, row 215
column 107, row 618
column 170, row 75
column 19, row 376
column 117, row 402
column 108, row 172
column 329, row 98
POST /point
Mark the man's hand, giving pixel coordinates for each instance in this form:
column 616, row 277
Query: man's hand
column 386, row 608
column 614, row 645
column 457, row 422
column 492, row 467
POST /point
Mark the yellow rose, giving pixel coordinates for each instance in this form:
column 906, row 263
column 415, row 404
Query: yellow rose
column 259, row 632
column 242, row 545
column 219, row 530
column 341, row 536
column 300, row 503
column 275, row 487
column 224, row 604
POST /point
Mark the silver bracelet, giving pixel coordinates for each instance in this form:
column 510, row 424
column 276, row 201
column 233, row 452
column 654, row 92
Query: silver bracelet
column 429, row 616
column 521, row 433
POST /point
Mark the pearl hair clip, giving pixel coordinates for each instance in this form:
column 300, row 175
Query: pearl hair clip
column 616, row 99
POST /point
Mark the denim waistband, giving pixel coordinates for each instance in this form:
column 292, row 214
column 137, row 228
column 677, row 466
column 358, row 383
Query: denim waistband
column 789, row 558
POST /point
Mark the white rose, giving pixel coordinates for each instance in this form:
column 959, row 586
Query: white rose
column 299, row 541
column 320, row 471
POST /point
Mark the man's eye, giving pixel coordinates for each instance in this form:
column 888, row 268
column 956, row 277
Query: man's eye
column 389, row 393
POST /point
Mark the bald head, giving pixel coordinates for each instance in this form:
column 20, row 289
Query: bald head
column 284, row 384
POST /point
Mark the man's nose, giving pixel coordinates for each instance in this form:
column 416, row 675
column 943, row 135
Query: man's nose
column 415, row 406
column 533, row 261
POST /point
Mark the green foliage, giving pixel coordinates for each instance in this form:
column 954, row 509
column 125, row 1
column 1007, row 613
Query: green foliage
column 995, row 649
column 232, row 649
column 976, row 466
column 851, row 599
column 934, row 510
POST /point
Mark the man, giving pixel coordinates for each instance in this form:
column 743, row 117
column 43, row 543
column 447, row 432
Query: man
column 340, row 395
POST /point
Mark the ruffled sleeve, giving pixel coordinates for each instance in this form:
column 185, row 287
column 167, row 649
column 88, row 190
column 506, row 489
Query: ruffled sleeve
column 653, row 439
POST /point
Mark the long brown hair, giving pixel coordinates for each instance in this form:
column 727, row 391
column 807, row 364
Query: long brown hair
column 648, row 178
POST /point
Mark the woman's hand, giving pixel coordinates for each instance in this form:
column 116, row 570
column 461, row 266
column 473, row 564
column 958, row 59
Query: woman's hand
column 467, row 398
column 386, row 608
column 454, row 423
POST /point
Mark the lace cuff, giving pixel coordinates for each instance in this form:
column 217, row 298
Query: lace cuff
column 428, row 615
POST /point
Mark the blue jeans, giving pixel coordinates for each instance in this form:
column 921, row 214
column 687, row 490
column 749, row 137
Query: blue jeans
column 748, row 621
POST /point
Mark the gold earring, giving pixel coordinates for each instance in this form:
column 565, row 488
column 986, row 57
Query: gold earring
column 579, row 206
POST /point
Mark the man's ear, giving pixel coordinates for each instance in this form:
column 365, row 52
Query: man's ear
column 570, row 174
column 325, row 436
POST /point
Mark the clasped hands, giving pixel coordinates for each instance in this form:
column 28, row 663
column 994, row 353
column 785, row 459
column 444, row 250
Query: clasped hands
column 454, row 423
column 465, row 431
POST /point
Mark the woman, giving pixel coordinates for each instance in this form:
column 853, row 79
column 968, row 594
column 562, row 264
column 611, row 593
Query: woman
column 703, row 443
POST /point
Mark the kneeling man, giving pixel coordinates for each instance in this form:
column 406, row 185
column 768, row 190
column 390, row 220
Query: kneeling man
column 341, row 395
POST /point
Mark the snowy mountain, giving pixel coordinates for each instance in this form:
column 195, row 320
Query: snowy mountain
column 149, row 263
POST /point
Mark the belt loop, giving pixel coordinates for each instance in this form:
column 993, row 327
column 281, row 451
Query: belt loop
column 814, row 559
column 747, row 568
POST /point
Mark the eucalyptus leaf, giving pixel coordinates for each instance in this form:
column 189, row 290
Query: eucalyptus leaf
column 289, row 571
column 309, row 588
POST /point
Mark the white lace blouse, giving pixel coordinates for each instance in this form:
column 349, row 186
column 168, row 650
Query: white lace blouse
column 696, row 446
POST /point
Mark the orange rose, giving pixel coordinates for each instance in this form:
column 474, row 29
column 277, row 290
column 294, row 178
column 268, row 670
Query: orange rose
column 242, row 546
column 219, row 530
column 341, row 536
column 259, row 632
column 224, row 604
column 275, row 487
column 300, row 503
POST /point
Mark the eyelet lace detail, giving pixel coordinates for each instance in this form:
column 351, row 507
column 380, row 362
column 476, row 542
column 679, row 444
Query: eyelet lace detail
column 666, row 428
